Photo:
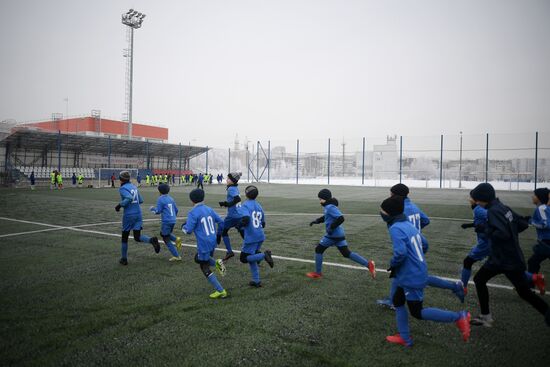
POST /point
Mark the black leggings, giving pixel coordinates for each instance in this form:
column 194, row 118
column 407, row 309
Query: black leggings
column 541, row 252
column 344, row 250
column 126, row 234
column 415, row 307
column 517, row 278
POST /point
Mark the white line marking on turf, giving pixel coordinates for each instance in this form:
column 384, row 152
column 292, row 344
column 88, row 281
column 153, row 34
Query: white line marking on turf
column 30, row 232
column 346, row 266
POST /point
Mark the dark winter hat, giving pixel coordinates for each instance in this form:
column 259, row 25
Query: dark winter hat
column 324, row 194
column 124, row 176
column 164, row 189
column 400, row 189
column 251, row 192
column 483, row 192
column 234, row 176
column 542, row 194
column 393, row 205
column 196, row 195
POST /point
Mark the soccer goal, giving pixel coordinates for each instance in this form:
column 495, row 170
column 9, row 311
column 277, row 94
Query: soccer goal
column 104, row 176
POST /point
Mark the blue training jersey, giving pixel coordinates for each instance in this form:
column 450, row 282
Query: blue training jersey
column 130, row 199
column 167, row 208
column 408, row 262
column 541, row 223
column 232, row 192
column 202, row 221
column 254, row 231
column 331, row 213
column 415, row 215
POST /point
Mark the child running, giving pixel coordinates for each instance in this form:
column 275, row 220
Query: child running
column 166, row 207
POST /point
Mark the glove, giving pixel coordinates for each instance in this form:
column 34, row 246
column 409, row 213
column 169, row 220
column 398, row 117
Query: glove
column 152, row 209
column 263, row 224
column 223, row 203
column 466, row 225
column 117, row 208
column 312, row 223
column 391, row 271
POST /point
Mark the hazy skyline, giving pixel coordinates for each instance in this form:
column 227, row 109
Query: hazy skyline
column 208, row 70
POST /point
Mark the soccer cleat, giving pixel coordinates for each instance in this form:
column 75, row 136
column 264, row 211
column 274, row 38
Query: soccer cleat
column 217, row 294
column 123, row 261
column 372, row 269
column 465, row 291
column 386, row 302
column 178, row 244
column 459, row 291
column 397, row 339
column 268, row 258
column 540, row 283
column 463, row 324
column 482, row 320
column 175, row 258
column 220, row 267
column 254, row 284
column 314, row 275
column 228, row 256
column 155, row 243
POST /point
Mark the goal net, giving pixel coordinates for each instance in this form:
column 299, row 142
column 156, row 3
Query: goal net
column 104, row 176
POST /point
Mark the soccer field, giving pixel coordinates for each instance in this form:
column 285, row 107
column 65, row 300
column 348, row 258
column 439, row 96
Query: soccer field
column 67, row 301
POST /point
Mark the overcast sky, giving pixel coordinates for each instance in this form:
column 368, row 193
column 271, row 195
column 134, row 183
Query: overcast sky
column 284, row 69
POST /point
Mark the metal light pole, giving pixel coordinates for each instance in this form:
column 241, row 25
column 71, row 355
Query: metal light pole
column 460, row 164
column 133, row 19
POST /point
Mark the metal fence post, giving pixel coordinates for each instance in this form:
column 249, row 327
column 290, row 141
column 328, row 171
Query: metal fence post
column 179, row 168
column 328, row 163
column 536, row 157
column 207, row 159
column 258, row 161
column 363, row 164
column 487, row 159
column 441, row 164
column 229, row 161
column 268, row 161
column 59, row 150
column 460, row 164
column 109, row 154
column 297, row 159
column 400, row 158
column 247, row 164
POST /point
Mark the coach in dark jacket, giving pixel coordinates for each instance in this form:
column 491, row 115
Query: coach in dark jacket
column 506, row 257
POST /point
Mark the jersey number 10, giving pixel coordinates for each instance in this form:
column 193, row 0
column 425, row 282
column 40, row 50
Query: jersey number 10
column 209, row 229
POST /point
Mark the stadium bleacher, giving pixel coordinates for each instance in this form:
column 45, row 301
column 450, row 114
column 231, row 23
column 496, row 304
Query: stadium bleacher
column 67, row 172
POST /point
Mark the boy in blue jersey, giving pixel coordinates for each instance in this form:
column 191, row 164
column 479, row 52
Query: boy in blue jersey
column 419, row 220
column 168, row 210
column 253, row 224
column 481, row 249
column 202, row 221
column 131, row 219
column 233, row 218
column 334, row 236
column 541, row 251
column 410, row 272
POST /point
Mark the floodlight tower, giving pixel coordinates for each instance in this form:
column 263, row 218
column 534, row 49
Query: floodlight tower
column 132, row 19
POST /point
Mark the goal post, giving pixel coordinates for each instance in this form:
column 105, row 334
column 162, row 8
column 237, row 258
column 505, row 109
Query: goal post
column 103, row 177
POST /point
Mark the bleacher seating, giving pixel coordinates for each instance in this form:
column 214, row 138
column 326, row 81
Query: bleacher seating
column 67, row 172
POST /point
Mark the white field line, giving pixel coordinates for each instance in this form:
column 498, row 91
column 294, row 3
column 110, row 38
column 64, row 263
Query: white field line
column 294, row 259
column 31, row 232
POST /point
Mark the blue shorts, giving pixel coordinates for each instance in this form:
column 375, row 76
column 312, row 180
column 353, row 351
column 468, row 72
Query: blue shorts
column 480, row 251
column 414, row 294
column 252, row 248
column 166, row 229
column 205, row 256
column 133, row 223
column 327, row 242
